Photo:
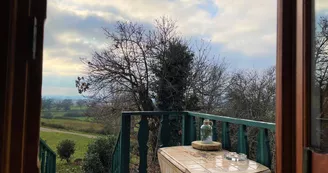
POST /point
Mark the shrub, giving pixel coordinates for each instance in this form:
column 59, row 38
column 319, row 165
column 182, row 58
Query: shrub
column 72, row 114
column 107, row 130
column 47, row 115
column 66, row 149
column 98, row 156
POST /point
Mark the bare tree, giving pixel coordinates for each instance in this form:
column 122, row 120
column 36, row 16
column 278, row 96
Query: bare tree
column 80, row 103
column 321, row 60
column 251, row 95
column 209, row 79
column 123, row 66
column 320, row 86
column 47, row 103
column 67, row 104
column 108, row 112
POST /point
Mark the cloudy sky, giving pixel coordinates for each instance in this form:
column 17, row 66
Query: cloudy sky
column 244, row 32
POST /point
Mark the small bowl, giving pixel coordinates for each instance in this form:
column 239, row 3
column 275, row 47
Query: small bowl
column 233, row 156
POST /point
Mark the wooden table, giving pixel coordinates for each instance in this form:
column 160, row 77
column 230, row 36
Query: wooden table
column 185, row 159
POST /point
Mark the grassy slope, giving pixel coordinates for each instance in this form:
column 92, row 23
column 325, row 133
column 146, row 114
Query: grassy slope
column 71, row 124
column 81, row 124
column 81, row 144
column 78, row 108
column 60, row 113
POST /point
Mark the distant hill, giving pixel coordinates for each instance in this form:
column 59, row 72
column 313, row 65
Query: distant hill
column 61, row 97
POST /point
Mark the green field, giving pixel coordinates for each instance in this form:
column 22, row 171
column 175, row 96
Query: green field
column 71, row 120
column 61, row 113
column 78, row 108
column 79, row 112
column 73, row 124
column 81, row 144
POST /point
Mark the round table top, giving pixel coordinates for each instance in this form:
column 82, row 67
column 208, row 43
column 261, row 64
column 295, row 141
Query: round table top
column 185, row 159
column 214, row 146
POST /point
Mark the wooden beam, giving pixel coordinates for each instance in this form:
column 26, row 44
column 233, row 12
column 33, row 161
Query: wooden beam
column 18, row 116
column 285, row 92
column 8, row 35
column 304, row 44
column 21, row 92
column 34, row 88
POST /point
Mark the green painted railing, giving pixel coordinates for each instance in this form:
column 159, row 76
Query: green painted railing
column 47, row 158
column 121, row 155
column 116, row 162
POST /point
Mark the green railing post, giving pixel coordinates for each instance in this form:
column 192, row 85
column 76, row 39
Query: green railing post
column 165, row 131
column 242, row 140
column 116, row 165
column 50, row 165
column 189, row 129
column 215, row 131
column 142, row 140
column 186, row 129
column 40, row 150
column 125, row 143
column 54, row 166
column 43, row 159
column 193, row 129
column 48, row 160
column 200, row 123
column 226, row 144
column 263, row 153
column 47, row 157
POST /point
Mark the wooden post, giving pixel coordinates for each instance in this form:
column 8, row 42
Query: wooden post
column 286, row 87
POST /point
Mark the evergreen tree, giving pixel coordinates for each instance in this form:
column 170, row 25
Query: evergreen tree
column 172, row 70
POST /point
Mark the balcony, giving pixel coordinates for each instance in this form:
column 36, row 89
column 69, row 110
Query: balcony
column 190, row 122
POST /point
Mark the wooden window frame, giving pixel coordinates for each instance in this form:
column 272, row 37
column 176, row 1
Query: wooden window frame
column 307, row 159
column 21, row 91
column 304, row 55
column 285, row 87
column 20, row 138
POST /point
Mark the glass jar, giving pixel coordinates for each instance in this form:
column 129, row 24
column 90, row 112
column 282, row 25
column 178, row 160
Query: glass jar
column 206, row 132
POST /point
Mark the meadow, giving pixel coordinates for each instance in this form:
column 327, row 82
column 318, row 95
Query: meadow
column 81, row 145
column 73, row 125
column 72, row 121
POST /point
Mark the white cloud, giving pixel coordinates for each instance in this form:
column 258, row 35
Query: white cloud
column 242, row 27
column 64, row 60
column 82, row 12
column 247, row 27
column 61, row 66
column 321, row 5
column 69, row 38
column 66, row 91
